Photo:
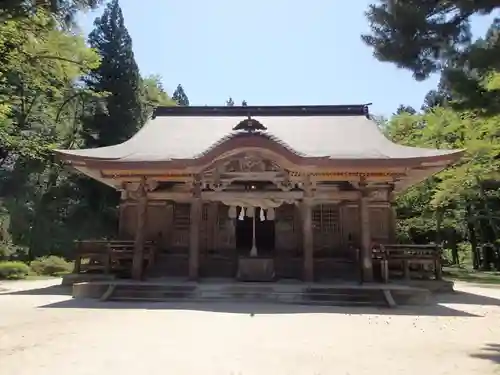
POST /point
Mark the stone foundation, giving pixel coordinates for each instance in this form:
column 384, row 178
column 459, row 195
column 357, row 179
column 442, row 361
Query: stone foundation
column 74, row 278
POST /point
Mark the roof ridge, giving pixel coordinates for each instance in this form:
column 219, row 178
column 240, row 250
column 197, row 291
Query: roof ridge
column 265, row 110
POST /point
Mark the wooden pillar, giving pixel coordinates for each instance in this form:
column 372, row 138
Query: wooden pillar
column 140, row 231
column 121, row 215
column 213, row 208
column 307, row 239
column 307, row 232
column 169, row 226
column 392, row 217
column 365, row 236
column 194, row 232
column 78, row 259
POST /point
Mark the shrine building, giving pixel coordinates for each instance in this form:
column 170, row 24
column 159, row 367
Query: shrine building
column 257, row 192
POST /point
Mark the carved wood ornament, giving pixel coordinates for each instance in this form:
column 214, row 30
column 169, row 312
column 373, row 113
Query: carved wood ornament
column 248, row 166
column 249, row 125
column 135, row 190
column 250, row 163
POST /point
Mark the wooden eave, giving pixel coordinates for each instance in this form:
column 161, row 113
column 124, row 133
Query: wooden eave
column 302, row 162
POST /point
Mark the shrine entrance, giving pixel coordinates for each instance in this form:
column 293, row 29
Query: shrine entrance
column 255, row 230
column 264, row 237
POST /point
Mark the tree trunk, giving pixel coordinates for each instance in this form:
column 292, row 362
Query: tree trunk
column 439, row 220
column 39, row 206
column 454, row 249
column 488, row 211
column 471, row 229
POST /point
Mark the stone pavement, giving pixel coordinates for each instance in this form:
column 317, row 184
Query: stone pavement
column 43, row 331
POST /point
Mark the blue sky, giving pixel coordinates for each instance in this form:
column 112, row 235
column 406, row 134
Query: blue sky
column 268, row 52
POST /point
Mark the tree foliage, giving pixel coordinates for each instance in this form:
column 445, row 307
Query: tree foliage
column 180, row 97
column 118, row 116
column 62, row 10
column 463, row 198
column 57, row 92
column 423, row 35
column 435, row 36
column 53, row 89
column 154, row 95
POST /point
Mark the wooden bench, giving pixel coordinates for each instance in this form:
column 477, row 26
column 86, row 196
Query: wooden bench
column 107, row 256
column 403, row 256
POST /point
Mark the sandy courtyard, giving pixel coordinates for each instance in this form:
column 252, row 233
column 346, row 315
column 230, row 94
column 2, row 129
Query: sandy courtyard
column 44, row 332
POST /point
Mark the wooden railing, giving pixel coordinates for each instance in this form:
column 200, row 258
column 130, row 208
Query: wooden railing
column 403, row 257
column 109, row 256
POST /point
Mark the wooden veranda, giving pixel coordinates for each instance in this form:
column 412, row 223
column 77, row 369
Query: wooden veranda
column 390, row 261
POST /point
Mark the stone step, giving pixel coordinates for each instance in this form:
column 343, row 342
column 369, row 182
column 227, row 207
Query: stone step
column 317, row 296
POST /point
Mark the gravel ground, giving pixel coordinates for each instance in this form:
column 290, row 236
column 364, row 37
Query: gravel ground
column 44, row 332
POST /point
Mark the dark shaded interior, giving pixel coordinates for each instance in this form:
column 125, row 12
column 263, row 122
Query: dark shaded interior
column 264, row 234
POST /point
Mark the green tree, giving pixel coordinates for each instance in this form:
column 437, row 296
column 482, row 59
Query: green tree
column 40, row 66
column 64, row 10
column 422, row 36
column 462, row 202
column 230, row 102
column 436, row 98
column 154, row 95
column 244, row 103
column 121, row 113
column 405, row 109
column 434, row 36
column 180, row 96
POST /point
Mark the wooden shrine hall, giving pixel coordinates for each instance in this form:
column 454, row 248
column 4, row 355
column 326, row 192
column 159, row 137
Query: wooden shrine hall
column 256, row 193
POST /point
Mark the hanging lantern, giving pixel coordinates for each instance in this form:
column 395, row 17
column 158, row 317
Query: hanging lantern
column 271, row 214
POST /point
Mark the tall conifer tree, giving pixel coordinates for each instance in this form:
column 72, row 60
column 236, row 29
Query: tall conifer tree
column 180, row 96
column 120, row 114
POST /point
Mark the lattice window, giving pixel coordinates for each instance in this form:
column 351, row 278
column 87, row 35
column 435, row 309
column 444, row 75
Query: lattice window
column 285, row 231
column 350, row 224
column 326, row 218
column 316, row 218
column 204, row 212
column 204, row 227
column 224, row 237
column 182, row 212
column 326, row 226
column 329, row 219
column 222, row 216
column 285, row 215
column 181, row 215
column 379, row 223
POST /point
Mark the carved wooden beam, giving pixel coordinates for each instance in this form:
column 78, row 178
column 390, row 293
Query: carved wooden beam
column 196, row 186
column 308, row 185
column 284, row 182
column 226, row 195
column 321, row 196
column 135, row 190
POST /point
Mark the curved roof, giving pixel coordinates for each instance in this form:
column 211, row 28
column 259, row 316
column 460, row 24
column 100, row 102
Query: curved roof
column 335, row 137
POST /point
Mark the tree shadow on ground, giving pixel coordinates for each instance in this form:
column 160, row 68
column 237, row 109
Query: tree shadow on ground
column 490, row 352
column 52, row 290
column 465, row 298
column 436, row 307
